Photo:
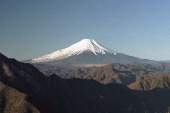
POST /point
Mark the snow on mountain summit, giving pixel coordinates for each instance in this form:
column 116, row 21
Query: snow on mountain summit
column 88, row 45
column 85, row 45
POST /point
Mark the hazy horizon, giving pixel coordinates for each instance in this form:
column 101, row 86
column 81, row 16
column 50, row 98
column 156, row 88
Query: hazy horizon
column 33, row 28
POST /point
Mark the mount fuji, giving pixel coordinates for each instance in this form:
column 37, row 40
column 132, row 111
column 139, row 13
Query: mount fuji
column 85, row 48
column 87, row 52
column 87, row 55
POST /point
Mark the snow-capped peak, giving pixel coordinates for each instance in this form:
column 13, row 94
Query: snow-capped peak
column 85, row 45
column 88, row 45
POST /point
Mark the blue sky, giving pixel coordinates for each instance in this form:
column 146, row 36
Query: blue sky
column 30, row 28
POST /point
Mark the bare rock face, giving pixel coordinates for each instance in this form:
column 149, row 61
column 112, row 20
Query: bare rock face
column 147, row 83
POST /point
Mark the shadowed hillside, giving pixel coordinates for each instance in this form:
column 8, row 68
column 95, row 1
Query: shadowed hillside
column 14, row 101
column 56, row 95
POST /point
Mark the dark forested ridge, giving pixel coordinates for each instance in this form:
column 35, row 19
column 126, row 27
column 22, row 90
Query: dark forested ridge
column 33, row 92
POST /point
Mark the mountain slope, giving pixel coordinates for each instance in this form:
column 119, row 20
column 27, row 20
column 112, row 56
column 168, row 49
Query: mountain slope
column 20, row 75
column 84, row 54
column 14, row 101
column 87, row 51
column 56, row 95
column 158, row 81
column 82, row 96
column 13, row 78
column 23, row 77
column 85, row 45
column 117, row 73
